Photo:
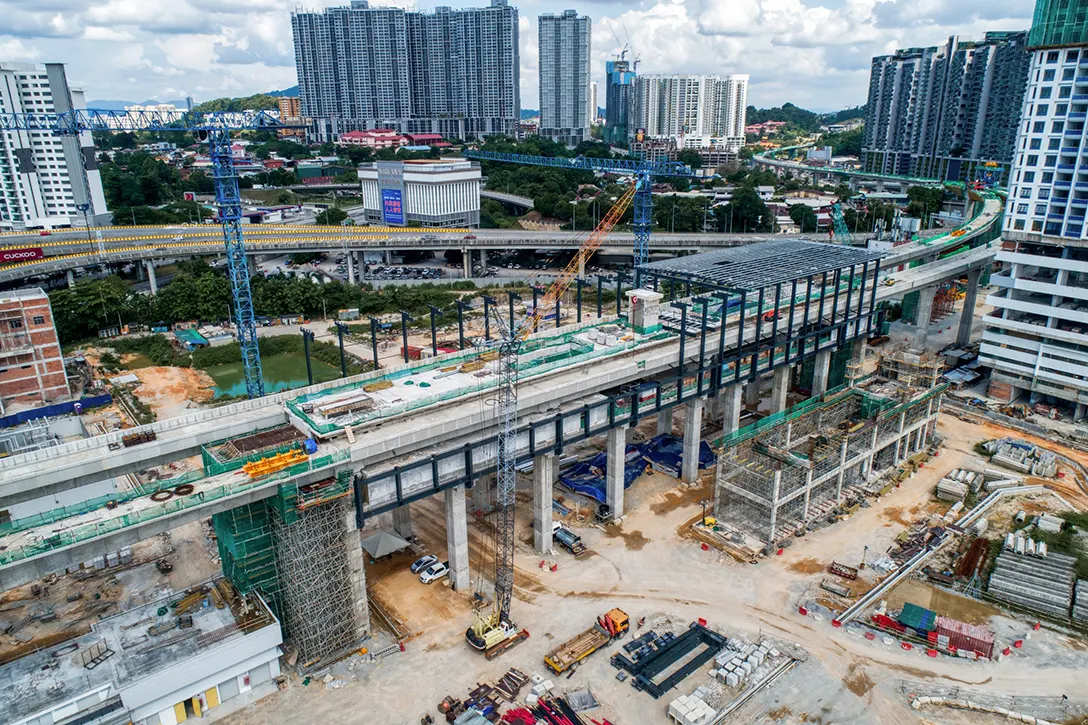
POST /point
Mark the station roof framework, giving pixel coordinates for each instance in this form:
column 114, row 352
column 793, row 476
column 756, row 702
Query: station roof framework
column 756, row 266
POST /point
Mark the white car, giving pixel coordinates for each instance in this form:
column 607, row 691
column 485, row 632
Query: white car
column 423, row 562
column 434, row 572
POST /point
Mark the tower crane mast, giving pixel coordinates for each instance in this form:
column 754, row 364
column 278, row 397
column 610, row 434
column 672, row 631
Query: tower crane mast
column 210, row 128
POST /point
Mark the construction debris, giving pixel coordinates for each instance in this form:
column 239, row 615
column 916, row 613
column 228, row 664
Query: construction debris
column 1024, row 457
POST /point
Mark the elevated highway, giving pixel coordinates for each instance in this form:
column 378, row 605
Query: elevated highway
column 768, row 159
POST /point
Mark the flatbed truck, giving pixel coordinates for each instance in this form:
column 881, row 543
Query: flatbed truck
column 609, row 626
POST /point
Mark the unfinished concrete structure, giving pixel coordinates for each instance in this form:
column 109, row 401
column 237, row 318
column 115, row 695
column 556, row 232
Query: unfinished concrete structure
column 791, row 468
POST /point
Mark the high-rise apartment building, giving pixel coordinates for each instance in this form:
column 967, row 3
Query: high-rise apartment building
column 619, row 84
column 1036, row 340
column 45, row 180
column 594, row 99
column 565, row 44
column 940, row 111
column 693, row 109
column 450, row 72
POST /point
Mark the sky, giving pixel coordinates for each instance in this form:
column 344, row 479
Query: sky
column 812, row 53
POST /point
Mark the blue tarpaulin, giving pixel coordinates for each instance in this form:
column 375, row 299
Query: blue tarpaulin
column 666, row 452
column 588, row 477
column 56, row 409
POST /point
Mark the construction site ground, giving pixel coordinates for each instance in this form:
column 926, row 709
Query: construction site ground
column 651, row 568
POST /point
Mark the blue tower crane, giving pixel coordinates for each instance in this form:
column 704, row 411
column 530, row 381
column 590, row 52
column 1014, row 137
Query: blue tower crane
column 210, row 128
column 643, row 170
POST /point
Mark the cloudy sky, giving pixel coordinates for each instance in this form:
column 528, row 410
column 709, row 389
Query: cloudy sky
column 814, row 53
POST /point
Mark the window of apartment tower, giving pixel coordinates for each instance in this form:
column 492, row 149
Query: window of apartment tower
column 39, row 319
column 15, row 324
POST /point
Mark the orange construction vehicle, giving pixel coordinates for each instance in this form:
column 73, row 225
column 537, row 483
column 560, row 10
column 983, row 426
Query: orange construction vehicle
column 612, row 625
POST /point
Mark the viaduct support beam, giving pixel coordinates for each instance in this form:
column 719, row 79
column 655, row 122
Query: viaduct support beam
column 780, row 388
column 357, row 574
column 466, row 256
column 820, row 371
column 732, row 405
column 481, row 493
column 925, row 310
column 402, row 521
column 543, row 480
column 389, row 258
column 693, row 430
column 71, row 276
column 967, row 317
column 457, row 537
column 352, row 278
column 151, row 278
column 751, row 393
column 141, row 274
column 483, row 261
column 616, row 448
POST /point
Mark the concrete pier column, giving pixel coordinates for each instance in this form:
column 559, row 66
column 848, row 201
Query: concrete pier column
column 664, row 421
column 402, row 521
column 352, row 278
column 151, row 278
column 360, row 606
column 820, row 372
column 388, row 257
column 466, row 254
column 543, row 480
column 616, row 448
column 780, row 388
column 751, row 393
column 925, row 309
column 457, row 537
column 967, row 317
column 141, row 273
column 71, row 275
column 483, row 260
column 731, row 407
column 481, row 493
column 693, row 435
column 1078, row 412
column 773, row 524
column 581, row 267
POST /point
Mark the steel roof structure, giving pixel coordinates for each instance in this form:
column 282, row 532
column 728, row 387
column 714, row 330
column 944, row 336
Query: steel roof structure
column 755, row 266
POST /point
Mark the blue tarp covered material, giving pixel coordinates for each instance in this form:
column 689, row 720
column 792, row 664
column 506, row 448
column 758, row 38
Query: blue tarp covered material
column 588, row 477
column 56, row 409
column 666, row 452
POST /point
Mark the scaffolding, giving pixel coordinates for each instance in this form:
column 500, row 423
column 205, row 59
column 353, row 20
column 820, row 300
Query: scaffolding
column 316, row 596
column 781, row 474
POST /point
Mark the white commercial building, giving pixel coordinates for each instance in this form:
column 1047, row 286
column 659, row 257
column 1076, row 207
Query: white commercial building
column 696, row 110
column 45, row 180
column 147, row 666
column 1036, row 340
column 429, row 193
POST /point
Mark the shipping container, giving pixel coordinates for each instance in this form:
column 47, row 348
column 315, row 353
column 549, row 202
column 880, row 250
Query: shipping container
column 965, row 636
column 917, row 618
column 414, row 353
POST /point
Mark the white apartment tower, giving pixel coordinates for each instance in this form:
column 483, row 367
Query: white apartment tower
column 565, row 46
column 45, row 180
column 1036, row 340
column 593, row 102
column 694, row 110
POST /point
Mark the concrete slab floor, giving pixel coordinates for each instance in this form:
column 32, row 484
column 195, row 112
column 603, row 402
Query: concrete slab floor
column 649, row 569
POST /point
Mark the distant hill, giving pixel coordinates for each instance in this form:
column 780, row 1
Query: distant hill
column 527, row 113
column 291, row 92
column 801, row 118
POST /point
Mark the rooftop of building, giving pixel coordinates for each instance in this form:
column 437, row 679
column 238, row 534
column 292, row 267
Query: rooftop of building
column 128, row 647
column 26, row 293
column 759, row 265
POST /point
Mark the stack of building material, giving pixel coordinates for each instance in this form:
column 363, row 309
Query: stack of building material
column 1023, row 457
column 1000, row 483
column 1080, row 604
column 971, row 479
column 949, row 489
column 1049, row 523
column 690, row 710
column 1042, row 585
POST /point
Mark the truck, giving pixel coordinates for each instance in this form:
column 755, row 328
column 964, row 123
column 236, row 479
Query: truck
column 614, row 624
column 569, row 540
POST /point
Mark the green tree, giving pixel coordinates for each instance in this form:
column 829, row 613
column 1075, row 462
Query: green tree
column 331, row 217
column 81, row 311
column 804, row 217
column 747, row 211
column 691, row 157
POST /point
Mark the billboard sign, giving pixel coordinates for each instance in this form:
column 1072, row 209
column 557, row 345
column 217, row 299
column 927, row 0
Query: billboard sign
column 392, row 207
column 21, row 255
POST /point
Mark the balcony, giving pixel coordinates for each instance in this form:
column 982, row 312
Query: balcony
column 15, row 343
column 1067, row 167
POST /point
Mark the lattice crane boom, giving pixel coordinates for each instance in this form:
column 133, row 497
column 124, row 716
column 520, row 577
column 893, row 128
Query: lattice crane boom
column 213, row 129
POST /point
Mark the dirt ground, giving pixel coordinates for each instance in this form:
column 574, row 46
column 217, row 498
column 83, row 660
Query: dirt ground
column 172, row 391
column 646, row 567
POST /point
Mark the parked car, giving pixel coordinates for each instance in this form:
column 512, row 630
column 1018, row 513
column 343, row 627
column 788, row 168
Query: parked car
column 423, row 562
column 470, row 236
column 434, row 572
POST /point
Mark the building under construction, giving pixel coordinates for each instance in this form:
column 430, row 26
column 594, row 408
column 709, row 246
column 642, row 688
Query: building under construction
column 791, row 468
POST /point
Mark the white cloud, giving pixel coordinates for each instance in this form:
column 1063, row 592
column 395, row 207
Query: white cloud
column 814, row 53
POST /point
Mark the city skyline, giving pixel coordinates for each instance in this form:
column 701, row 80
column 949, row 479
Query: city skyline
column 816, row 56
